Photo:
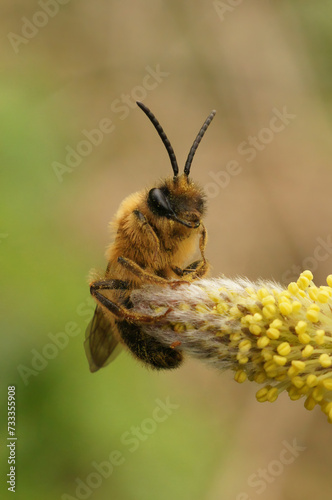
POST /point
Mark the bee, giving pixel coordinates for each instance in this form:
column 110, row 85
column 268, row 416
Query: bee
column 156, row 232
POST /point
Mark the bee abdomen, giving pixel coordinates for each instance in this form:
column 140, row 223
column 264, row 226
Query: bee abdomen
column 148, row 349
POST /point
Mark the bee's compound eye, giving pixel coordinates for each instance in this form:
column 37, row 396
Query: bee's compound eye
column 158, row 203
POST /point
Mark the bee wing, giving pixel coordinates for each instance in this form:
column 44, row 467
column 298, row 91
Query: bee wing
column 101, row 345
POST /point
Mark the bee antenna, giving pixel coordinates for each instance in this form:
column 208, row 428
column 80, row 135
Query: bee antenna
column 162, row 136
column 197, row 141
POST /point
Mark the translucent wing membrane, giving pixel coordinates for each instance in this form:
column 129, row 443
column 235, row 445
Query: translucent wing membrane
column 101, row 345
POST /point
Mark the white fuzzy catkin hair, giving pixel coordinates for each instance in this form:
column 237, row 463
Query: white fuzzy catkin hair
column 192, row 320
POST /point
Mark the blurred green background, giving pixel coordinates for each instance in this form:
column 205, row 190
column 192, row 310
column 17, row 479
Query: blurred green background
column 66, row 67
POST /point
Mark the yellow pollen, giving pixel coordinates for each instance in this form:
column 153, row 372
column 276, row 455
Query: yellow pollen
column 312, row 380
column 294, row 393
column 319, row 337
column 279, row 360
column 327, row 383
column 242, row 359
column 261, row 395
column 307, row 351
column 304, row 390
column 285, row 308
column 301, row 327
column 257, row 317
column 245, row 346
column 215, row 297
column 298, row 382
column 296, row 368
column 255, row 329
column 304, row 338
column 293, row 288
column 260, row 377
column 328, row 407
column 269, row 311
column 308, row 274
column 266, row 354
column 277, row 323
column 263, row 342
column 269, row 365
column 184, row 307
column 296, row 306
column 272, row 394
column 314, row 307
column 318, row 393
column 292, row 372
column 244, row 320
column 234, row 312
column 221, row 308
column 273, row 333
column 310, row 403
column 284, row 349
column 329, row 280
column 269, row 299
column 261, row 293
column 302, row 282
column 235, row 336
column 240, row 376
column 299, row 365
column 282, row 299
column 179, row 327
column 325, row 360
column 312, row 316
column 323, row 296
column 313, row 292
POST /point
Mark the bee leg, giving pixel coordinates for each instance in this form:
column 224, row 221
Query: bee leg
column 151, row 278
column 146, row 227
column 141, row 273
column 189, row 269
column 112, row 284
column 200, row 268
column 196, row 269
column 120, row 311
column 178, row 271
column 148, row 349
column 199, row 271
column 148, row 232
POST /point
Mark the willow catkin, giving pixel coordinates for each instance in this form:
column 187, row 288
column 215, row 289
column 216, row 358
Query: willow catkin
column 280, row 338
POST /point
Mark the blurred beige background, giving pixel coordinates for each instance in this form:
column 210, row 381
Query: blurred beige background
column 71, row 67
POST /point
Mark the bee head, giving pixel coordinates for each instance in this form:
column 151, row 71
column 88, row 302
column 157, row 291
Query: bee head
column 178, row 198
